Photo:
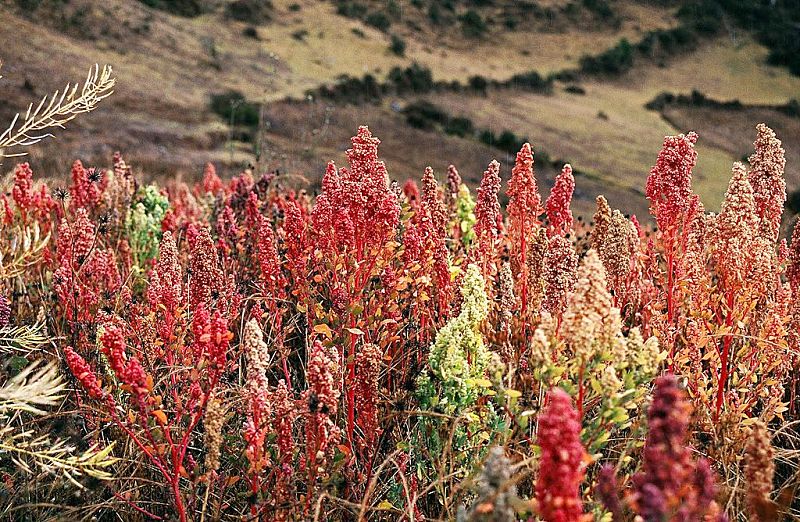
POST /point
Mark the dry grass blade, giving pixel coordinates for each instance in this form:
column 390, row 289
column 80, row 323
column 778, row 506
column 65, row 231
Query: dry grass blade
column 29, row 451
column 24, row 248
column 22, row 340
column 55, row 110
column 32, row 388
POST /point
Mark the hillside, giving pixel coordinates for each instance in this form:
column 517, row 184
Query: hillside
column 170, row 65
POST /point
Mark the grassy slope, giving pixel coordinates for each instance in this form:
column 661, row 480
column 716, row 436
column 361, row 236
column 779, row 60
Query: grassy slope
column 159, row 114
column 620, row 148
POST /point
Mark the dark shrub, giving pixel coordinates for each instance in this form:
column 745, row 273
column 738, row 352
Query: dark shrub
column 415, row 78
column 616, row 60
column 398, row 46
column 379, row 21
column 351, row 9
column 459, row 126
column 425, row 115
column 234, row 108
column 472, row 25
column 187, row 8
column 531, row 81
column 478, row 83
column 252, row 11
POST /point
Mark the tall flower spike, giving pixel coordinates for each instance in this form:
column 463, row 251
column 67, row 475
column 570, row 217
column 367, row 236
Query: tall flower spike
column 557, row 205
column 84, row 373
column 206, row 279
column 213, row 421
column 759, row 469
column 22, row 191
column 453, row 184
column 591, row 321
column 616, row 241
column 271, row 272
column 736, row 227
column 669, row 185
column 487, row 208
column 670, row 485
column 322, row 400
column 368, row 369
column 256, row 386
column 83, row 192
column 559, row 275
column 437, row 211
column 524, row 201
column 211, row 182
column 766, row 177
column 562, row 463
column 357, row 208
column 165, row 287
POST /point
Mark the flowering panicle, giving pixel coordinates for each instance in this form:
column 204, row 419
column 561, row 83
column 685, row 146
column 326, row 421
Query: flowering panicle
column 206, row 280
column 524, row 202
column 535, row 261
column 22, row 192
column 559, row 275
column 437, row 214
column 670, row 485
column 563, row 460
column 368, row 369
column 85, row 272
column 165, row 288
column 487, row 211
column 766, row 178
column 590, row 322
column 506, row 295
column 669, row 185
column 793, row 278
column 524, row 208
column 322, row 402
column 129, row 371
column 607, row 490
column 84, row 373
column 83, row 193
column 558, row 202
column 256, row 387
column 211, row 182
column 411, row 193
column 283, row 415
column 735, row 228
column 356, row 209
column 211, row 340
column 759, row 469
column 453, row 185
column 617, row 242
column 143, row 224
column 295, row 238
column 213, row 420
column 464, row 217
column 458, row 355
column 272, row 278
